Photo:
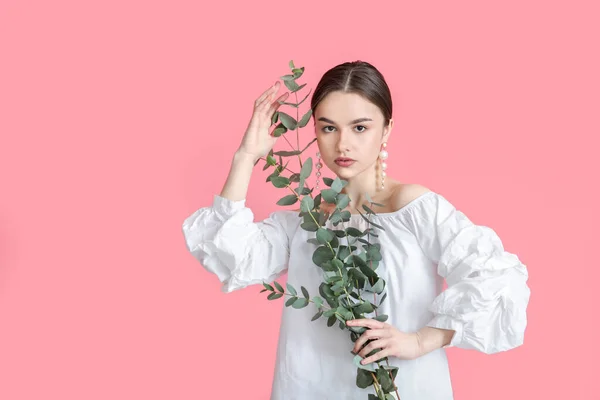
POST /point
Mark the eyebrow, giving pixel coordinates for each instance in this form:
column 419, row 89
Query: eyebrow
column 356, row 121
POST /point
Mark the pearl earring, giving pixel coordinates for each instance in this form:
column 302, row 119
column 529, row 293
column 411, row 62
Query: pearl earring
column 383, row 155
column 319, row 166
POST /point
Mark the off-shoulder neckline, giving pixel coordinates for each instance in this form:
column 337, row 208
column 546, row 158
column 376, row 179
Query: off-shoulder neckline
column 391, row 214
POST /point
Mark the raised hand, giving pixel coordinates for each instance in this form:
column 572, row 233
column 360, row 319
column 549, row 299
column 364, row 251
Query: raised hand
column 257, row 141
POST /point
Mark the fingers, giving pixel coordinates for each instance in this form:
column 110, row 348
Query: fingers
column 377, row 356
column 370, row 334
column 368, row 322
column 376, row 344
column 274, row 106
column 273, row 89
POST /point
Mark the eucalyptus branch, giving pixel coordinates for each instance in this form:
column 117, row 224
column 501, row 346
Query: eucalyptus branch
column 349, row 270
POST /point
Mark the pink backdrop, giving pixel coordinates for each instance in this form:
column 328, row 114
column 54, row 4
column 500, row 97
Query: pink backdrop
column 118, row 119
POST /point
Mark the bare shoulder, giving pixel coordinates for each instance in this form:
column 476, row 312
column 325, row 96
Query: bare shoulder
column 405, row 193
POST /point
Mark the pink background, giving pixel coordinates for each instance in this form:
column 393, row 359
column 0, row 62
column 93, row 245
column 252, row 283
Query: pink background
column 119, row 119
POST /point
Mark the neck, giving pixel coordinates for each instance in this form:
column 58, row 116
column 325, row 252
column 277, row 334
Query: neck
column 359, row 185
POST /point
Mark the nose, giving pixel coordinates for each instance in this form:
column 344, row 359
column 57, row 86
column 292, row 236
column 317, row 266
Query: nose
column 342, row 142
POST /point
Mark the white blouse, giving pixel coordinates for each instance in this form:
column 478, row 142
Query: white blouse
column 424, row 242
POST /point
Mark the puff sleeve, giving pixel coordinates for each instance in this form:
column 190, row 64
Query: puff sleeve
column 227, row 242
column 487, row 294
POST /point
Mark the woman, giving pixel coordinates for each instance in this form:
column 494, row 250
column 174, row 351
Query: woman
column 426, row 239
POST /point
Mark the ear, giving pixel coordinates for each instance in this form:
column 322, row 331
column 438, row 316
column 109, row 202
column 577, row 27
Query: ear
column 386, row 131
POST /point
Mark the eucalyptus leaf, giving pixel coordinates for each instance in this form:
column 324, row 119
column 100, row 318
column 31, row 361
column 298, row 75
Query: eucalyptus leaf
column 305, row 118
column 327, row 181
column 367, row 209
column 331, row 320
column 324, row 235
column 317, row 316
column 307, row 203
column 278, row 286
column 288, row 200
column 337, row 185
column 275, row 117
column 385, row 380
column 291, row 289
column 379, row 286
column 381, row 317
column 290, row 83
column 300, row 303
column 306, row 168
column 267, row 286
column 321, row 255
column 328, row 313
column 365, row 307
column 329, row 195
column 318, row 301
column 279, row 130
column 297, row 72
column 368, row 367
column 304, row 292
column 290, row 301
column 342, row 201
column 364, row 379
column 382, row 298
column 295, row 177
column 287, row 120
column 274, row 296
column 353, row 232
column 285, row 153
column 305, row 97
column 373, row 253
column 280, row 181
column 309, row 226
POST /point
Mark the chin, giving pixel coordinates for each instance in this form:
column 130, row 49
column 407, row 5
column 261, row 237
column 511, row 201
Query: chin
column 343, row 173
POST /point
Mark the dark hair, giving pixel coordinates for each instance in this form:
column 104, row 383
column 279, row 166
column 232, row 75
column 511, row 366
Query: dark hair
column 358, row 77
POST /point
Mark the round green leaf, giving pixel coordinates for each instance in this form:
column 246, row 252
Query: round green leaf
column 322, row 254
column 329, row 195
column 307, row 204
column 324, row 235
column 342, row 201
column 300, row 303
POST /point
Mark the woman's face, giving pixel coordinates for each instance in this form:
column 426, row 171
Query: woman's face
column 348, row 126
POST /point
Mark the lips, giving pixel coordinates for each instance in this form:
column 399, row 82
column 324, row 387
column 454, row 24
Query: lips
column 344, row 162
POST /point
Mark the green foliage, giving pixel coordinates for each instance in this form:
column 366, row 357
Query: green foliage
column 347, row 257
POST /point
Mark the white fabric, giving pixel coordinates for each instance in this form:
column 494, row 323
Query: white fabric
column 424, row 242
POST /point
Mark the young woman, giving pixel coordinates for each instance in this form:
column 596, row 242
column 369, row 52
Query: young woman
column 426, row 239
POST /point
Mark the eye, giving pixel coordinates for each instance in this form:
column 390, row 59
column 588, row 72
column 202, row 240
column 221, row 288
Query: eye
column 357, row 126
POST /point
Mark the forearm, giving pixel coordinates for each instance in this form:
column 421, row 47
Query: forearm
column 238, row 180
column 433, row 338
